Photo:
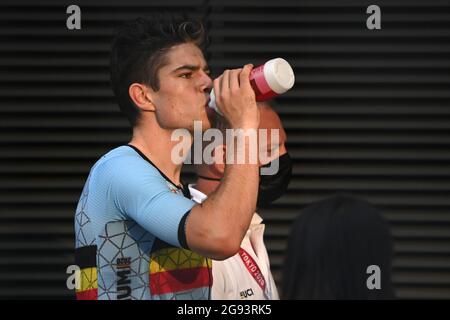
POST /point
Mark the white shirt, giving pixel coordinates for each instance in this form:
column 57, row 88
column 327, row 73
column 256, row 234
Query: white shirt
column 231, row 278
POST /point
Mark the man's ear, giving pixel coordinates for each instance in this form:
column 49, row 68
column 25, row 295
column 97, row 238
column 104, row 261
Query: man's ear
column 141, row 95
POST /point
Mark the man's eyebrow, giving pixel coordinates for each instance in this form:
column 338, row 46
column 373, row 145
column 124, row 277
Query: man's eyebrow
column 191, row 67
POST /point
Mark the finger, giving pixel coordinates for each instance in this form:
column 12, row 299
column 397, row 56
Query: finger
column 245, row 74
column 234, row 80
column 217, row 85
column 225, row 85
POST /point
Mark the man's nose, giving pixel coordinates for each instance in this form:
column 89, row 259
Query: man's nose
column 206, row 82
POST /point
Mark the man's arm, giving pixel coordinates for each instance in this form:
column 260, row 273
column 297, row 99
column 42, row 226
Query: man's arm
column 216, row 227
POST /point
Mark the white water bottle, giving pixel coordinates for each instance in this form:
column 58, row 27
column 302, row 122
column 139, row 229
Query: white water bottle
column 267, row 80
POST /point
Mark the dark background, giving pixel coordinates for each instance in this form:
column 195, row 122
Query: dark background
column 369, row 115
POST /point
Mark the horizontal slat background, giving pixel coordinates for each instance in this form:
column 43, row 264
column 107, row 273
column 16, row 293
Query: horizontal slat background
column 369, row 115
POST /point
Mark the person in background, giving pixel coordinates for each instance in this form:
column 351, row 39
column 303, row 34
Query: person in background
column 247, row 275
column 339, row 248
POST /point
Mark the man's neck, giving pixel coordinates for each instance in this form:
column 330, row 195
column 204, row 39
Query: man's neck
column 156, row 144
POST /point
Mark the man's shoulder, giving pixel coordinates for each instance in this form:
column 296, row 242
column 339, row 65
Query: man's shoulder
column 123, row 160
column 117, row 156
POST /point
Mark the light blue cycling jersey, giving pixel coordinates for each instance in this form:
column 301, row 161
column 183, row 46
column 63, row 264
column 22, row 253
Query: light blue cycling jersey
column 132, row 217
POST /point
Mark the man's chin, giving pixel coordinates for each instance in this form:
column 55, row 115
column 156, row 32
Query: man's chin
column 207, row 124
column 210, row 119
column 202, row 124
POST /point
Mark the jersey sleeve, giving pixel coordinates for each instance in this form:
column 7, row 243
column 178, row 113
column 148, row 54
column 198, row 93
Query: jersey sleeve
column 143, row 195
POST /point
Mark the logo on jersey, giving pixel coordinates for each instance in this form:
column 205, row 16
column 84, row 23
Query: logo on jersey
column 123, row 281
column 172, row 188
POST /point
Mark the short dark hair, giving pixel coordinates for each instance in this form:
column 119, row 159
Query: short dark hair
column 139, row 51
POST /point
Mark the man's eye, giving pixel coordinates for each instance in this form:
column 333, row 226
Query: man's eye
column 186, row 75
